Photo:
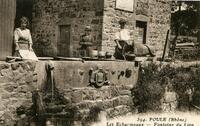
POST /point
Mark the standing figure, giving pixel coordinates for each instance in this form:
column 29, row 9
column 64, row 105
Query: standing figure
column 169, row 101
column 189, row 92
column 86, row 42
column 23, row 41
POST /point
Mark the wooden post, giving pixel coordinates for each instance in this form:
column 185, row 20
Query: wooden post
column 165, row 47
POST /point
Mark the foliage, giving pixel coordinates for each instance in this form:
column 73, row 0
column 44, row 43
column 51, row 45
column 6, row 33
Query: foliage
column 186, row 22
column 153, row 79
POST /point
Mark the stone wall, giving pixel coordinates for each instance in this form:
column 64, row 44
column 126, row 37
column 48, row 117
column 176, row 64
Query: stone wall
column 26, row 88
column 156, row 13
column 111, row 25
column 17, row 81
column 83, row 105
column 102, row 16
column 49, row 14
column 75, row 99
column 159, row 13
column 76, row 73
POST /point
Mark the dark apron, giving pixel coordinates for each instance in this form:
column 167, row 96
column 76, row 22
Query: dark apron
column 120, row 53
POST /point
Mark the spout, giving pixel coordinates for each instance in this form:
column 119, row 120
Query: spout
column 49, row 70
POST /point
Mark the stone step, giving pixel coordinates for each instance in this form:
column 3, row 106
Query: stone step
column 105, row 104
column 108, row 92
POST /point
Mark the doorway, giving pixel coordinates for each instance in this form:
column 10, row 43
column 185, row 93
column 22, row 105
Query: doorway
column 63, row 45
column 23, row 8
column 141, row 31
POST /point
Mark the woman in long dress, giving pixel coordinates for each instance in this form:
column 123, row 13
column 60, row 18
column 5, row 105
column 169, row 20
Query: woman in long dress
column 23, row 40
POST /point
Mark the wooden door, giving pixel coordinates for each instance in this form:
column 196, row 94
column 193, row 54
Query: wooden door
column 7, row 17
column 64, row 41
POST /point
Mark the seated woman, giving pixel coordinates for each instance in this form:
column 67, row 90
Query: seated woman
column 126, row 46
column 123, row 42
column 23, row 41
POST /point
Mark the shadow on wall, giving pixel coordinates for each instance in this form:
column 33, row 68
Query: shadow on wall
column 44, row 48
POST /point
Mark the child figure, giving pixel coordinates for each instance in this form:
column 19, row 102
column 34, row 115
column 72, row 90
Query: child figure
column 169, row 101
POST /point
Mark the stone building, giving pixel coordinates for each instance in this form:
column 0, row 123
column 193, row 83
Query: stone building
column 58, row 24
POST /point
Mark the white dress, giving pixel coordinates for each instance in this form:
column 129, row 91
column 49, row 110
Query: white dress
column 22, row 35
column 24, row 39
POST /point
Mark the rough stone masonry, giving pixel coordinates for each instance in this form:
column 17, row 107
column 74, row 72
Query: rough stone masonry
column 17, row 81
column 21, row 81
column 102, row 16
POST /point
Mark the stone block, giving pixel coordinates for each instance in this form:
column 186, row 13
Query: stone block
column 116, row 101
column 98, row 95
column 99, row 103
column 123, row 109
column 32, row 65
column 76, row 96
column 83, row 105
column 21, row 70
column 10, row 88
column 95, row 21
column 2, row 108
column 114, row 92
column 35, row 79
column 23, row 89
column 88, row 95
column 15, row 66
column 4, row 66
column 93, row 94
column 112, row 112
column 5, row 95
column 124, row 100
column 7, row 73
column 83, row 112
column 125, row 92
column 107, row 104
column 29, row 77
column 106, row 94
column 17, row 76
column 126, row 87
column 54, row 109
column 25, row 66
column 99, row 13
column 5, row 79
